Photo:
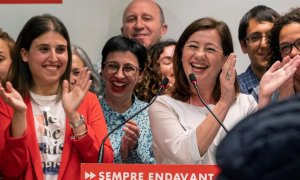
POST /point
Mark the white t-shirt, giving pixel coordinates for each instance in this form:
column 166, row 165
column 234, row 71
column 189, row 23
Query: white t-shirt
column 173, row 124
column 50, row 125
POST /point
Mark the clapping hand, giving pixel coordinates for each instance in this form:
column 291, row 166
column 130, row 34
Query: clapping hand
column 227, row 79
column 130, row 138
column 15, row 100
column 287, row 88
column 72, row 99
column 279, row 76
column 12, row 98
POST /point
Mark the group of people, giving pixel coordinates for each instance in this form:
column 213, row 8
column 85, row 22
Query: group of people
column 56, row 107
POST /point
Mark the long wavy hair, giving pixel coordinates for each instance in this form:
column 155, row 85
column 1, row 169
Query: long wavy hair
column 154, row 75
column 142, row 89
column 293, row 16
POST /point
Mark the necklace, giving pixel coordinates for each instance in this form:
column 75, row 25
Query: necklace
column 44, row 103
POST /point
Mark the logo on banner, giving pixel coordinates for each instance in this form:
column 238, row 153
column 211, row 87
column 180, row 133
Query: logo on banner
column 89, row 175
column 148, row 172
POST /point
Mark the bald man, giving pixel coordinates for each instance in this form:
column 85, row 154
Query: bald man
column 144, row 21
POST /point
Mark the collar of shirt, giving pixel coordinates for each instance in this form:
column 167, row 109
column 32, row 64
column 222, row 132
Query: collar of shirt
column 114, row 118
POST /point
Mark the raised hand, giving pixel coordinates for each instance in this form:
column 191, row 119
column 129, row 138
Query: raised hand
column 287, row 88
column 15, row 100
column 129, row 140
column 227, row 79
column 12, row 98
column 279, row 75
column 72, row 99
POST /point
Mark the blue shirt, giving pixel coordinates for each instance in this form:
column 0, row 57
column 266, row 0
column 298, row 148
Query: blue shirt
column 274, row 97
column 143, row 154
column 248, row 81
column 249, row 84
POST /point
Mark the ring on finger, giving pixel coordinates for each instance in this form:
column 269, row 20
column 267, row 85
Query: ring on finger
column 228, row 75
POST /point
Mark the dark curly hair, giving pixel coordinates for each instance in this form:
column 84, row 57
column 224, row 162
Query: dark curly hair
column 153, row 68
column 293, row 16
column 142, row 89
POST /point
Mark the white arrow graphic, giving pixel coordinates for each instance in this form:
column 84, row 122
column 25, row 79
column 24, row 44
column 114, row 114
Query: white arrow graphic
column 89, row 175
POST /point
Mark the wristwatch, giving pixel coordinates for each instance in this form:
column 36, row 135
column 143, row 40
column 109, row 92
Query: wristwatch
column 76, row 124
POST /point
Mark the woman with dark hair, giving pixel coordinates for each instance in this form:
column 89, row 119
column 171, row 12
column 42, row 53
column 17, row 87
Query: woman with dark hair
column 123, row 64
column 49, row 130
column 284, row 73
column 184, row 131
column 160, row 66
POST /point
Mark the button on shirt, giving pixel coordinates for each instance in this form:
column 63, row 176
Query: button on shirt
column 143, row 154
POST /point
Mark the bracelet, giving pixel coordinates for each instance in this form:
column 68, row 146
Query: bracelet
column 76, row 124
column 75, row 136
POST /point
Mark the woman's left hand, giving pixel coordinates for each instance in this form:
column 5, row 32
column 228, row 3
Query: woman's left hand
column 72, row 99
column 130, row 138
column 227, row 80
column 279, row 76
column 287, row 88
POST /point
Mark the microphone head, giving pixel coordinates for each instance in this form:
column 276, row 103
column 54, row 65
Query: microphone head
column 192, row 78
column 164, row 82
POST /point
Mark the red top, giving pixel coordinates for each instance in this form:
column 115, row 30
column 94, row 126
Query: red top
column 20, row 157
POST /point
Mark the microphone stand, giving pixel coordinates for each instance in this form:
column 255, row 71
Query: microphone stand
column 193, row 80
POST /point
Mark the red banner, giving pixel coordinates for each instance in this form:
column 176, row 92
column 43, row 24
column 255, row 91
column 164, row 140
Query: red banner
column 95, row 171
column 31, row 1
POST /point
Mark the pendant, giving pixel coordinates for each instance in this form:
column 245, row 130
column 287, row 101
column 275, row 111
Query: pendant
column 46, row 108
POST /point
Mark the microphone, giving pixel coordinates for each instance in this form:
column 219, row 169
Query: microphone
column 162, row 87
column 193, row 80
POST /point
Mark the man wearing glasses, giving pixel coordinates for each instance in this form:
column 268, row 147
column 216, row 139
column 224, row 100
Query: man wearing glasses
column 253, row 36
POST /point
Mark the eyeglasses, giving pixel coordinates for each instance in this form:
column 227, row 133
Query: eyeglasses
column 129, row 70
column 256, row 38
column 286, row 48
